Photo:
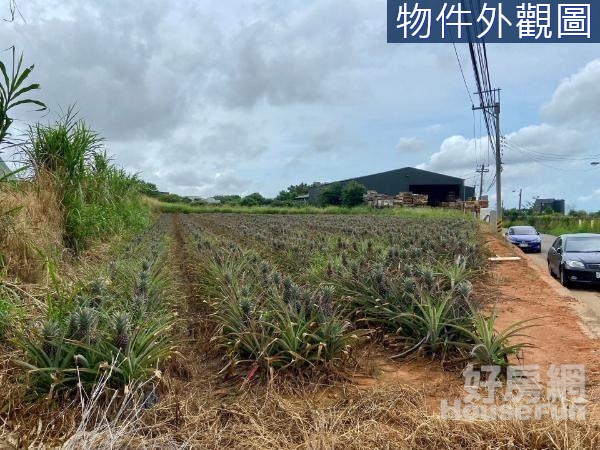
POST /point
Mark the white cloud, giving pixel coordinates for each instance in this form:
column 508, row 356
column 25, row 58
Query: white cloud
column 577, row 98
column 410, row 144
column 549, row 158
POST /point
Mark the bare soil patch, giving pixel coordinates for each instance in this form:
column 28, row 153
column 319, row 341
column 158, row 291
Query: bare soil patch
column 523, row 292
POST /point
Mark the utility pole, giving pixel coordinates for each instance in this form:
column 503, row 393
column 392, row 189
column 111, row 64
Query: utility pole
column 520, row 193
column 481, row 170
column 493, row 109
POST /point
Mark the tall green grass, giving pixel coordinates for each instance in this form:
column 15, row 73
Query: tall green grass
column 357, row 210
column 97, row 198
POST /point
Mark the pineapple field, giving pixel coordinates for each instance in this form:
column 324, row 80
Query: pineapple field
column 262, row 331
column 134, row 318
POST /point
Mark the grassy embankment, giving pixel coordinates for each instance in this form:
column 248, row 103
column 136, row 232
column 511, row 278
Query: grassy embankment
column 75, row 327
column 558, row 224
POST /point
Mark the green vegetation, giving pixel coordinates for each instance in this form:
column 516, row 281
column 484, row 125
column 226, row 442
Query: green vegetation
column 97, row 198
column 298, row 292
column 294, row 191
column 13, row 88
column 349, row 194
column 556, row 224
column 491, row 347
column 304, row 209
column 7, row 311
column 331, row 195
column 12, row 91
column 116, row 326
column 254, row 199
column 352, row 194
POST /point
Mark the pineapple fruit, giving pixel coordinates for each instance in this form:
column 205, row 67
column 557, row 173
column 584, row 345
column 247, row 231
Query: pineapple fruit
column 121, row 328
column 50, row 332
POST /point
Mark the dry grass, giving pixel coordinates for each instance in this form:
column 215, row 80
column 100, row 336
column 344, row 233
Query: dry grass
column 391, row 416
column 33, row 231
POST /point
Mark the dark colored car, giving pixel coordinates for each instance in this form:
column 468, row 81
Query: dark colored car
column 525, row 237
column 575, row 258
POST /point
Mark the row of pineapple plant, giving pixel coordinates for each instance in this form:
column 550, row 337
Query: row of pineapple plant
column 408, row 280
column 116, row 323
column 264, row 319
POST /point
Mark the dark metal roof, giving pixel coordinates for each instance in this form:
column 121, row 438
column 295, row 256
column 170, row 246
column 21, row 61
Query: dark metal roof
column 407, row 171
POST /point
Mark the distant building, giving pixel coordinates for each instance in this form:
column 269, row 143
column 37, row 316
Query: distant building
column 208, row 200
column 438, row 187
column 212, row 201
column 301, row 198
column 542, row 204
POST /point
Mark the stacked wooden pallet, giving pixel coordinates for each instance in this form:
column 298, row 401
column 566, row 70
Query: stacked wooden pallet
column 467, row 205
column 375, row 199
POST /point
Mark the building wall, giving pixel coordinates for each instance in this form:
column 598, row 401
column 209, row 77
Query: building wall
column 400, row 180
column 557, row 205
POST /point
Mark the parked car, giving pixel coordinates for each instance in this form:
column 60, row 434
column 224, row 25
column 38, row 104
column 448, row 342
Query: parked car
column 525, row 237
column 575, row 258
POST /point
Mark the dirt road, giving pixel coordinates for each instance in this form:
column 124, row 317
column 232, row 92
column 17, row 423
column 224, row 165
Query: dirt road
column 589, row 297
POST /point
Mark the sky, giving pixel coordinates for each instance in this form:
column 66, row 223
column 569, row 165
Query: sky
column 204, row 98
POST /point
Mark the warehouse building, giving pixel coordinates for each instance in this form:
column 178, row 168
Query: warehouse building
column 438, row 187
column 542, row 204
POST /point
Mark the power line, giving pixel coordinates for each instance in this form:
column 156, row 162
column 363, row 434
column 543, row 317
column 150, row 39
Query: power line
column 551, row 156
column 543, row 161
column 489, row 98
column 462, row 73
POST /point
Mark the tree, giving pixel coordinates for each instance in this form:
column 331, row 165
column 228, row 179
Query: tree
column 331, row 194
column 228, row 199
column 148, row 189
column 173, row 198
column 352, row 194
column 254, row 199
column 294, row 191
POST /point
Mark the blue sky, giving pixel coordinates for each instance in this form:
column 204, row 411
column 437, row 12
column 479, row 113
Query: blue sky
column 208, row 98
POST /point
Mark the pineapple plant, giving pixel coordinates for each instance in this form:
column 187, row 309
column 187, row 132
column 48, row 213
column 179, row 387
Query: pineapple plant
column 142, row 285
column 97, row 288
column 50, row 333
column 82, row 324
column 121, row 330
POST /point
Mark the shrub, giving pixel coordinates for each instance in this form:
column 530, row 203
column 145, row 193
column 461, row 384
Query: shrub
column 331, row 194
column 352, row 194
column 253, row 200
